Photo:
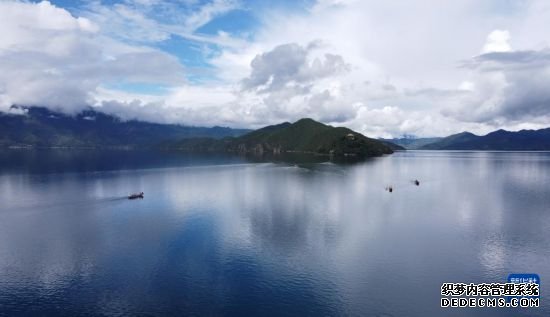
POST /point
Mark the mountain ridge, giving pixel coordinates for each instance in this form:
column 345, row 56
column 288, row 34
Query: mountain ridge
column 410, row 143
column 499, row 140
column 41, row 127
column 304, row 136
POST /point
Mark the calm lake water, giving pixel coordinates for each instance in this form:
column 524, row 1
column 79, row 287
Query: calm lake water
column 228, row 236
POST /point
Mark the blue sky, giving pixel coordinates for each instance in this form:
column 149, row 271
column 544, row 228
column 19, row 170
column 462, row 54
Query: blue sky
column 423, row 67
column 241, row 21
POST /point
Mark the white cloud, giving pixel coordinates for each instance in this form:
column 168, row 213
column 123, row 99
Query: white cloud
column 497, row 41
column 22, row 24
column 288, row 65
column 125, row 22
column 50, row 58
column 384, row 68
column 506, row 88
column 156, row 21
column 207, row 12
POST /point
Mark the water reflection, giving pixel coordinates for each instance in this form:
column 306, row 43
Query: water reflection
column 236, row 237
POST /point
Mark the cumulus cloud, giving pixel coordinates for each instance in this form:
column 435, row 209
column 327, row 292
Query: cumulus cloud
column 292, row 81
column 504, row 88
column 507, row 87
column 395, row 75
column 497, row 41
column 288, row 64
column 50, row 58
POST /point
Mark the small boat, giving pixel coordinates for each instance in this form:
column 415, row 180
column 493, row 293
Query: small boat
column 135, row 196
column 416, row 182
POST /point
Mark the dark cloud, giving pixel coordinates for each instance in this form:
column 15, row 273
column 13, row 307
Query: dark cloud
column 509, row 87
column 496, row 61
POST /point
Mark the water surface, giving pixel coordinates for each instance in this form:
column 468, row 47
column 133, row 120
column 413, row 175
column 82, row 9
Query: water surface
column 228, row 236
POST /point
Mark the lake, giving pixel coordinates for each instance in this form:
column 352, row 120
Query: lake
column 220, row 235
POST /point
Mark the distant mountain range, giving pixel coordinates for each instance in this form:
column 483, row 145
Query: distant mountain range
column 41, row 127
column 501, row 140
column 411, row 143
column 304, row 136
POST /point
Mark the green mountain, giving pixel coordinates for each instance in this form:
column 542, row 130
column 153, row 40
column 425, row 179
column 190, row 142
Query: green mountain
column 501, row 140
column 304, row 136
column 41, row 127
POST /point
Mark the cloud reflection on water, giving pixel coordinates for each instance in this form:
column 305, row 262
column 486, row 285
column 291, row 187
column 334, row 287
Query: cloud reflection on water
column 319, row 238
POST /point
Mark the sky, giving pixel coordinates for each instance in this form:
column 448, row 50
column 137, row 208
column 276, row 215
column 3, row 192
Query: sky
column 383, row 68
